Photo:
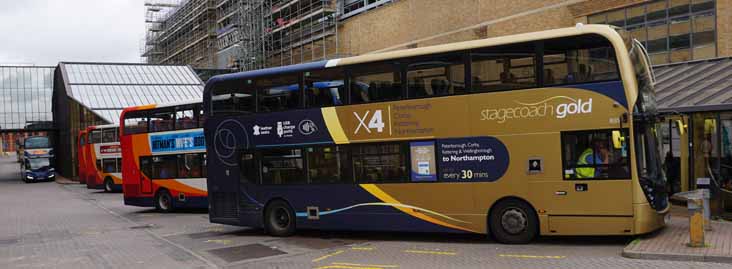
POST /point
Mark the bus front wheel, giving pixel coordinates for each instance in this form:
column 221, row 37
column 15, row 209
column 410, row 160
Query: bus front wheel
column 513, row 221
column 164, row 201
column 279, row 219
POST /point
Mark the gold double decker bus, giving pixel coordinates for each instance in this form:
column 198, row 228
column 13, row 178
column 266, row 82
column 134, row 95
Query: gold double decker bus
column 545, row 133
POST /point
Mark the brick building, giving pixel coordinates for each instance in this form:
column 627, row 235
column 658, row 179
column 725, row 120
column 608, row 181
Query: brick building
column 673, row 30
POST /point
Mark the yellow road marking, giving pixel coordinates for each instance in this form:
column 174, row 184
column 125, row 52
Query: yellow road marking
column 431, row 252
column 346, row 267
column 362, row 248
column 219, row 241
column 530, row 256
column 374, row 265
column 328, row 256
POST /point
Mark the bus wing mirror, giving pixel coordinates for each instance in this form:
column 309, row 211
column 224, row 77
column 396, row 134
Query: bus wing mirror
column 618, row 140
column 680, row 127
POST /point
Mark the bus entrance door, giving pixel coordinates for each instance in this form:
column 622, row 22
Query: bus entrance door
column 145, row 185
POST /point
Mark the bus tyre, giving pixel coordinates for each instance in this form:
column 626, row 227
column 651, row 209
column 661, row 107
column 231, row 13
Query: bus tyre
column 279, row 219
column 108, row 185
column 164, row 201
column 513, row 222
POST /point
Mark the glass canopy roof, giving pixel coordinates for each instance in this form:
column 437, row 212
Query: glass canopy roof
column 106, row 89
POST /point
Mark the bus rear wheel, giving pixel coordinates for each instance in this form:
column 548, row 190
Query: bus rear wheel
column 279, row 219
column 513, row 221
column 164, row 201
column 108, row 185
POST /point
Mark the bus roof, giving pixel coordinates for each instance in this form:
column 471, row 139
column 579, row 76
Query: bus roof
column 105, row 126
column 152, row 106
column 604, row 30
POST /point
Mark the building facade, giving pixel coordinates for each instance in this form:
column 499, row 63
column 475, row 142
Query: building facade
column 672, row 30
column 25, row 104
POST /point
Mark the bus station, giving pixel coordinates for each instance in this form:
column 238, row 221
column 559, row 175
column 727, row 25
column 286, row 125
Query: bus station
column 368, row 134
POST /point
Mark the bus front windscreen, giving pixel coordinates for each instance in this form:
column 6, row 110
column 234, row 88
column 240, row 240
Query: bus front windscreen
column 37, row 143
column 646, row 126
column 38, row 163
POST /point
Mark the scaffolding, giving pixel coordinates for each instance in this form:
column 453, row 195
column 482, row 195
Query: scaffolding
column 283, row 32
column 180, row 32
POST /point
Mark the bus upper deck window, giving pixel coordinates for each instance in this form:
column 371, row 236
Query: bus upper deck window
column 161, row 121
column 135, row 123
column 185, row 118
column 503, row 68
column 436, row 76
column 325, row 88
column 278, row 93
column 376, row 82
column 579, row 59
column 233, row 98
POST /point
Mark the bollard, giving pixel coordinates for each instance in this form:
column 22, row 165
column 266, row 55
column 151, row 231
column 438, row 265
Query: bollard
column 696, row 221
column 705, row 195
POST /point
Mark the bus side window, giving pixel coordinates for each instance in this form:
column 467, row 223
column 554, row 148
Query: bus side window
column 119, row 165
column 278, row 93
column 283, row 166
column 109, row 165
column 201, row 117
column 135, row 122
column 591, row 155
column 185, row 118
column 164, row 167
column 189, row 165
column 109, row 135
column 249, row 169
column 96, row 136
column 436, row 76
column 325, row 87
column 375, row 83
column 161, row 121
column 579, row 59
column 329, row 164
column 503, row 68
column 146, row 166
column 380, row 163
column 232, row 98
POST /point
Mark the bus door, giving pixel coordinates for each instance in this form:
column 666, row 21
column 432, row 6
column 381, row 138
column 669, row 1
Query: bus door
column 145, row 183
column 594, row 193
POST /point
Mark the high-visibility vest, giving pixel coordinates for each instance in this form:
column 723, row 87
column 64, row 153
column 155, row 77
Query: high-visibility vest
column 585, row 172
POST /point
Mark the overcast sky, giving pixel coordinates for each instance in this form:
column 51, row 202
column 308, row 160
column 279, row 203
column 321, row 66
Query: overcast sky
column 45, row 32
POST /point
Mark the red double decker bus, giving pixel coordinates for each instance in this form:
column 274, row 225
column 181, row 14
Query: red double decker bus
column 164, row 156
column 103, row 158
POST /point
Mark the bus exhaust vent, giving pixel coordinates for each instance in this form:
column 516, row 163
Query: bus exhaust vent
column 224, row 205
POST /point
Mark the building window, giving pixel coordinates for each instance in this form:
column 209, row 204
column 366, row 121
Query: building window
column 672, row 30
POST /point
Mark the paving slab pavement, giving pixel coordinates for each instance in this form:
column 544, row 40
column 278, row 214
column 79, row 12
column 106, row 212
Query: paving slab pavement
column 670, row 243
